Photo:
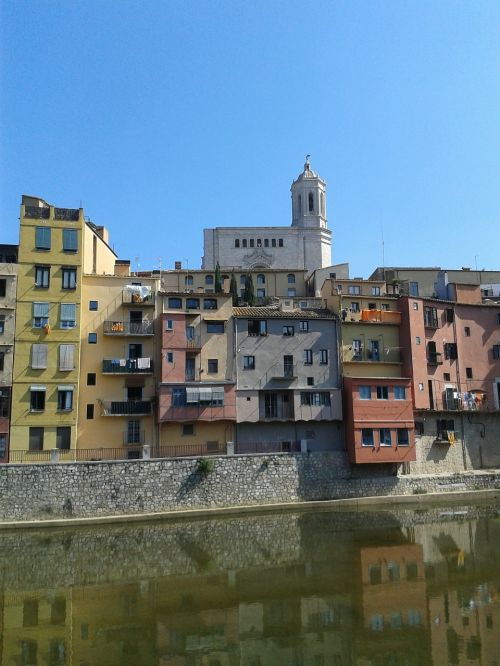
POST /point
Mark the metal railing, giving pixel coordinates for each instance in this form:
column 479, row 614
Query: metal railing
column 36, row 213
column 267, row 447
column 128, row 328
column 385, row 356
column 189, row 450
column 118, row 366
column 276, row 412
column 126, row 407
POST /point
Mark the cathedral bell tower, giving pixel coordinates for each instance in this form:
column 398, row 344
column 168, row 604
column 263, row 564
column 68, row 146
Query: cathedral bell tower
column 308, row 200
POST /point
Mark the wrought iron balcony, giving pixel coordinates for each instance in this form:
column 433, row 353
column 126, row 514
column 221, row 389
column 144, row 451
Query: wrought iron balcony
column 134, row 366
column 128, row 328
column 127, row 407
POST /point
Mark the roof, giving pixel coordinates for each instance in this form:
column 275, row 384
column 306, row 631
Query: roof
column 276, row 313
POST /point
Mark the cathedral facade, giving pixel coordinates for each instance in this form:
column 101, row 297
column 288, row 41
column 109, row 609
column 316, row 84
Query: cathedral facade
column 305, row 245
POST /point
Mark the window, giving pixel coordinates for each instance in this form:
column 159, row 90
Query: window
column 403, row 439
column 446, row 376
column 169, row 324
column 3, row 287
column 251, row 242
column 257, row 327
column 315, row 398
column 445, row 426
column 259, row 242
column 39, row 356
column 66, row 357
column 290, row 278
column 244, row 242
column 382, row 393
column 261, row 293
column 188, row 280
column 467, row 331
column 366, row 437
column 273, row 242
column 450, row 350
column 310, row 381
column 354, row 290
column 323, row 356
column 365, row 393
column 372, row 306
column 42, row 238
column 36, row 439
column 288, row 330
column 280, row 242
column 42, row 277
column 215, row 327
column 291, row 292
column 498, row 318
column 91, row 379
column 187, row 429
column 63, row 438
column 266, row 242
column 385, row 437
column 68, row 315
column 68, row 278
column 468, row 373
column 415, row 305
column 70, row 240
column 237, row 242
column 449, row 315
column 354, row 306
column 93, row 305
column 30, row 613
column 92, row 338
column 170, row 357
column 37, row 398
column 212, row 365
column 248, row 362
column 430, row 317
column 399, row 393
column 40, row 315
column 133, row 431
column 310, row 202
column 64, row 398
column 209, row 279
column 192, row 303
column 2, row 324
column 308, row 356
column 2, row 358
column 261, row 279
column 175, row 303
column 413, row 289
column 417, row 339
column 419, row 428
column 496, row 352
column 90, row 411
column 243, row 280
column 304, row 326
column 375, row 291
column 210, row 304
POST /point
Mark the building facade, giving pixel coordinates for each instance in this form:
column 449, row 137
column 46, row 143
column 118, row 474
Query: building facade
column 8, row 277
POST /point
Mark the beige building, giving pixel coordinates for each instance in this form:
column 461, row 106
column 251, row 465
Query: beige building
column 8, row 276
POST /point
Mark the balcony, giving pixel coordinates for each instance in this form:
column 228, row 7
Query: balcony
column 138, row 295
column 373, row 317
column 270, row 412
column 127, row 407
column 434, row 358
column 134, row 437
column 127, row 366
column 389, row 355
column 36, row 213
column 123, row 328
column 193, row 343
column 283, row 372
column 66, row 214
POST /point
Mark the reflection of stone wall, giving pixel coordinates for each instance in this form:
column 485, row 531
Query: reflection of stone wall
column 134, row 487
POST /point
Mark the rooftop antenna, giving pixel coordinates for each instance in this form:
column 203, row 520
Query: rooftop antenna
column 158, row 259
column 383, row 253
column 136, row 259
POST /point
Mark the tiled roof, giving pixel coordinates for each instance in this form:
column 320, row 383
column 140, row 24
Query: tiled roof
column 276, row 313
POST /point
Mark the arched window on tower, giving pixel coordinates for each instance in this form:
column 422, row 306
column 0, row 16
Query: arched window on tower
column 244, row 242
column 261, row 279
column 311, row 202
column 290, row 278
column 299, row 205
column 251, row 242
column 273, row 242
column 280, row 242
column 259, row 242
column 266, row 242
column 237, row 242
column 322, row 204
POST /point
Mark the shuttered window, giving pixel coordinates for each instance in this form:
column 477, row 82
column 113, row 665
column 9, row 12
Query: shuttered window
column 40, row 314
column 42, row 238
column 68, row 315
column 39, row 356
column 66, row 357
column 70, row 240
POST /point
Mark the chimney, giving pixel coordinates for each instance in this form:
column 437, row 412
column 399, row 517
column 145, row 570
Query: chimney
column 122, row 267
column 102, row 232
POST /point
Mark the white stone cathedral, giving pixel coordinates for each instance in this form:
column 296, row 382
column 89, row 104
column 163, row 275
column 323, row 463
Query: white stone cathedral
column 305, row 245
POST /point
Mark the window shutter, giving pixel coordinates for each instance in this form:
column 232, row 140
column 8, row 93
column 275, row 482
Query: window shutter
column 42, row 238
column 70, row 240
column 40, row 309
column 68, row 312
column 39, row 356
column 66, row 357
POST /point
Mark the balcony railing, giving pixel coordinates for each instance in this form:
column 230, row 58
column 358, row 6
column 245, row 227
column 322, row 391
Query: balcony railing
column 36, row 212
column 292, row 446
column 67, row 214
column 128, row 328
column 276, row 412
column 434, row 358
column 282, row 371
column 194, row 342
column 385, row 356
column 120, row 366
column 373, row 316
column 126, row 407
column 131, row 437
column 138, row 295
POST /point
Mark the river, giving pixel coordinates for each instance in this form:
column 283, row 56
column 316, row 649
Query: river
column 327, row 588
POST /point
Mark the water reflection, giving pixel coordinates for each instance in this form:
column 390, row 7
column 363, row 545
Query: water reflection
column 319, row 589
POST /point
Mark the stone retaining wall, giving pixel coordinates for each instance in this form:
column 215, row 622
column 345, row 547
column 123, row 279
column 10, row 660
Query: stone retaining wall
column 74, row 490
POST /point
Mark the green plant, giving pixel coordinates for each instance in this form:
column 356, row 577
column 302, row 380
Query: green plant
column 419, row 491
column 205, row 466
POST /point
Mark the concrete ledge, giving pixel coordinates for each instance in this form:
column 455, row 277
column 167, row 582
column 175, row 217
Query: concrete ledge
column 375, row 503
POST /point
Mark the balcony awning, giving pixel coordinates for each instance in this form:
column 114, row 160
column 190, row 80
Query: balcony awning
column 192, row 394
column 217, row 393
column 205, row 394
column 66, row 387
column 38, row 387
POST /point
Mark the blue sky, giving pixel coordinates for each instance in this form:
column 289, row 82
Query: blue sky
column 163, row 118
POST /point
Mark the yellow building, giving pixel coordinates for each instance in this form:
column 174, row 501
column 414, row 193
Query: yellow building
column 117, row 367
column 56, row 246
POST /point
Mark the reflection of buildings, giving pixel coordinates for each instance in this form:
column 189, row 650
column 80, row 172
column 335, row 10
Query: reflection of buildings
column 348, row 597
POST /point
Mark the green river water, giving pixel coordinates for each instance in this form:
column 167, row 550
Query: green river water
column 328, row 588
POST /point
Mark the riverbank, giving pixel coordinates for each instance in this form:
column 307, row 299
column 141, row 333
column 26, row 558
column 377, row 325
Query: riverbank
column 137, row 490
